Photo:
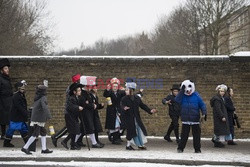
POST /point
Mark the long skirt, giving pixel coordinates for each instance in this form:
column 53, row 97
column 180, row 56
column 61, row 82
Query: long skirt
column 140, row 139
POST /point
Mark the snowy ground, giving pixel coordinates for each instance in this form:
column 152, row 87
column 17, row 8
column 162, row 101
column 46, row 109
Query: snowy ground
column 100, row 164
column 159, row 153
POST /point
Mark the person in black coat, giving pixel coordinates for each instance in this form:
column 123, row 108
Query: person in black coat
column 63, row 131
column 230, row 113
column 113, row 115
column 97, row 121
column 72, row 116
column 19, row 115
column 5, row 95
column 220, row 117
column 174, row 112
column 87, row 116
column 136, row 131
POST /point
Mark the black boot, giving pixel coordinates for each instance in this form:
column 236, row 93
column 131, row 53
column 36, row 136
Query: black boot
column 218, row 144
column 115, row 138
column 166, row 137
column 7, row 143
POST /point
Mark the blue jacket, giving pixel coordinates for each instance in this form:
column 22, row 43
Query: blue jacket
column 191, row 106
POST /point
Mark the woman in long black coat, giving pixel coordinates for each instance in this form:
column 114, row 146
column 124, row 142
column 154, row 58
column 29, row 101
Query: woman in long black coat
column 113, row 114
column 230, row 112
column 136, row 131
column 5, row 95
column 221, row 124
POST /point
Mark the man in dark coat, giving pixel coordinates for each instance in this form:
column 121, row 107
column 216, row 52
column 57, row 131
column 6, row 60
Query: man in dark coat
column 19, row 115
column 72, row 116
column 174, row 112
column 97, row 121
column 113, row 115
column 63, row 131
column 5, row 95
column 221, row 125
column 89, row 107
column 130, row 104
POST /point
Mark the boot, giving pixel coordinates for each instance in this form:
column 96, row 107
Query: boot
column 166, row 137
column 7, row 143
column 231, row 142
column 115, row 138
column 218, row 144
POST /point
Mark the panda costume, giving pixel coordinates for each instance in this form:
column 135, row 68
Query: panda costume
column 191, row 104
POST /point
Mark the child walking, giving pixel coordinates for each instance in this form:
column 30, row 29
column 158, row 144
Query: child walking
column 40, row 114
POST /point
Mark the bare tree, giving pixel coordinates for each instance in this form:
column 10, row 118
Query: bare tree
column 212, row 16
column 21, row 30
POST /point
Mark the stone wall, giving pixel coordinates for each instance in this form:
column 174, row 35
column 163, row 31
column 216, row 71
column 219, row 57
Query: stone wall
column 155, row 74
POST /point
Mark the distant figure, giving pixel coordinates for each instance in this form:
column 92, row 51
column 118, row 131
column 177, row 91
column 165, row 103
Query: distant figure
column 39, row 116
column 174, row 112
column 5, row 95
column 191, row 104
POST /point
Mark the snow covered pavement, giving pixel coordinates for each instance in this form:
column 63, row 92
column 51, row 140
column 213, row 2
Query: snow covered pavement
column 159, row 153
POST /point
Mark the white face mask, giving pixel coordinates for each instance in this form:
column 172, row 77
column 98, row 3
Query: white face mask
column 189, row 87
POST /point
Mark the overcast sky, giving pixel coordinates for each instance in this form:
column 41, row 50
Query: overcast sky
column 87, row 21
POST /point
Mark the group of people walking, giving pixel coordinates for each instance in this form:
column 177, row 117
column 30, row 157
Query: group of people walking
column 122, row 114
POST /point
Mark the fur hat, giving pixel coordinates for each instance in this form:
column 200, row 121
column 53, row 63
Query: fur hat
column 115, row 81
column 130, row 85
column 76, row 78
column 88, row 80
column 175, row 87
column 4, row 62
column 221, row 87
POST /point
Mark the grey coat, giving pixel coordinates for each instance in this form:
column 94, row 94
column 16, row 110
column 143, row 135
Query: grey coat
column 40, row 111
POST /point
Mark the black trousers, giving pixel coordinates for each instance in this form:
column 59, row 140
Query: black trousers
column 61, row 133
column 196, row 132
column 174, row 126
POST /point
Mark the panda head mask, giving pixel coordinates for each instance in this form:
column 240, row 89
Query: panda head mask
column 188, row 87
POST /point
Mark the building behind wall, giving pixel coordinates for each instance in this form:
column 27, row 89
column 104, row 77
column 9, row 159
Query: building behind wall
column 235, row 36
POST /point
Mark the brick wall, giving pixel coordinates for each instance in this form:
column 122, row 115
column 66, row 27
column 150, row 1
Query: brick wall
column 162, row 72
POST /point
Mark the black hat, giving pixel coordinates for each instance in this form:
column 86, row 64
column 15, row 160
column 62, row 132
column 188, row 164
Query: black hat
column 175, row 87
column 73, row 87
column 4, row 62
